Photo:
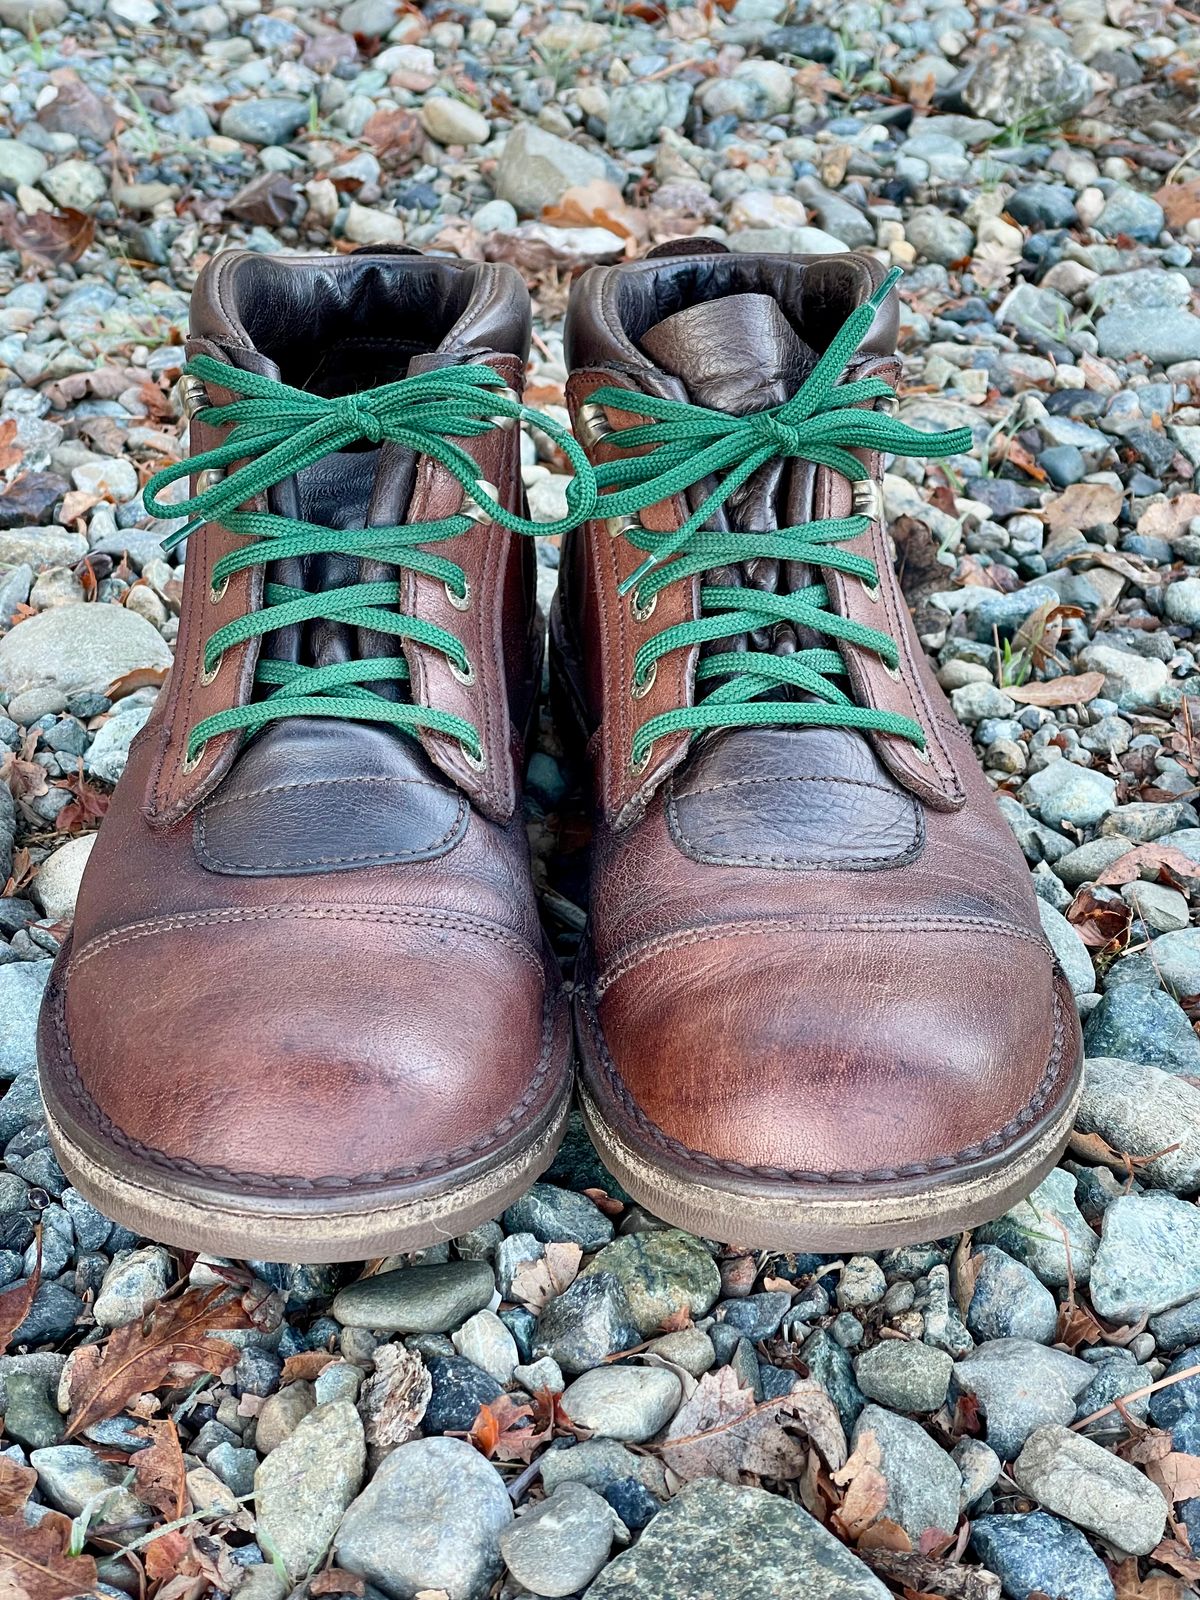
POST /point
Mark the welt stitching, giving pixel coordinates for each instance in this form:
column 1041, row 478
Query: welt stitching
column 333, row 1182
column 990, row 1146
column 633, row 957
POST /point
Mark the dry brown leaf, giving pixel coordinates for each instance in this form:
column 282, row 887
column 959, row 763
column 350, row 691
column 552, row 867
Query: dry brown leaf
column 508, row 1429
column 1128, row 867
column 395, row 136
column 1067, row 691
column 536, row 1283
column 866, row 1496
column 1171, row 1553
column 394, row 1398
column 170, row 1345
column 598, row 204
column 1083, row 505
column 885, row 1535
column 964, row 1267
column 54, row 237
column 306, row 1364
column 34, row 1564
column 160, row 1477
column 139, row 678
column 1180, row 202
column 1101, row 924
column 16, row 1485
column 334, row 1581
column 11, row 454
column 16, row 1303
column 1162, row 519
column 721, row 1433
column 1176, row 1474
column 1155, row 1586
column 87, row 807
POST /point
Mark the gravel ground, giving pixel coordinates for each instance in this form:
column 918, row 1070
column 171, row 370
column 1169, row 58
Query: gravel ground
column 573, row 1399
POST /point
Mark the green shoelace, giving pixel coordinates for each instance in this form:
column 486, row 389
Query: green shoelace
column 689, row 443
column 276, row 432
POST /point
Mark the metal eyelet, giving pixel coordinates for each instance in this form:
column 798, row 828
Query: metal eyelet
column 871, row 590
column 210, row 673
column 622, row 527
column 592, row 426
column 477, row 763
column 190, row 763
column 867, row 499
column 638, row 767
column 193, row 396
column 209, row 479
column 461, row 674
column 923, row 756
column 893, row 673
column 460, row 602
column 504, row 424
column 642, row 686
column 471, row 508
column 641, row 613
column 216, row 591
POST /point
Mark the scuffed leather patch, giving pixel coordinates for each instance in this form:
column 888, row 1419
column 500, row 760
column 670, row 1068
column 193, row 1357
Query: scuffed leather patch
column 328, row 825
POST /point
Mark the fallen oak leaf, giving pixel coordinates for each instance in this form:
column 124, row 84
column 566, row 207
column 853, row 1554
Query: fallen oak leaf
column 1075, row 690
column 17, row 1302
column 720, row 1432
column 139, row 678
column 334, row 1581
column 536, row 1283
column 35, row 1564
column 54, row 237
column 306, row 1364
column 16, row 1485
column 1175, row 1555
column 1083, row 506
column 160, row 1477
column 866, row 1496
column 170, row 1345
column 1128, row 867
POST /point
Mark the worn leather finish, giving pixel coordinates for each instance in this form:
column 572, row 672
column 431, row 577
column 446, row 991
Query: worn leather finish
column 814, row 961
column 315, row 964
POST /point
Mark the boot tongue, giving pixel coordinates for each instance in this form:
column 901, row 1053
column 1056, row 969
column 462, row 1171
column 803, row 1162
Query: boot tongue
column 739, row 354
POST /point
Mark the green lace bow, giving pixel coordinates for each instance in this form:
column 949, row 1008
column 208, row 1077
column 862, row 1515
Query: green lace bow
column 277, row 431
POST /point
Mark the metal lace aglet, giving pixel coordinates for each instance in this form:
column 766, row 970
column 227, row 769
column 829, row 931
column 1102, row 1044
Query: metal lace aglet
column 635, row 577
column 885, row 288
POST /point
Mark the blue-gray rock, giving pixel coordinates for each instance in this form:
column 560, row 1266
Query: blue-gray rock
column 1043, row 205
column 302, row 1488
column 756, row 1316
column 923, row 1483
column 1077, row 1479
column 628, row 1403
column 1175, row 1329
column 1129, row 211
column 830, row 1366
column 1169, row 1406
column 1142, row 1110
column 1031, row 1232
column 1020, row 1386
column 1149, row 1257
column 558, row 1546
column 556, row 1215
column 1161, row 333
column 905, row 1375
column 1064, row 793
column 591, row 1320
column 1036, row 1553
column 21, row 986
column 636, row 112
column 1070, row 949
column 430, row 1518
column 1009, row 1301
column 269, row 119
column 1140, row 1024
column 424, row 1299
column 759, row 1544
column 459, row 1389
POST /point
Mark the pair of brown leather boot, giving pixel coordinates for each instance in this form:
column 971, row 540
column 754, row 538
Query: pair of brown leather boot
column 308, row 1012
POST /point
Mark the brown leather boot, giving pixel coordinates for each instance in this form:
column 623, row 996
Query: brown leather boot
column 307, row 1011
column 816, row 1007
